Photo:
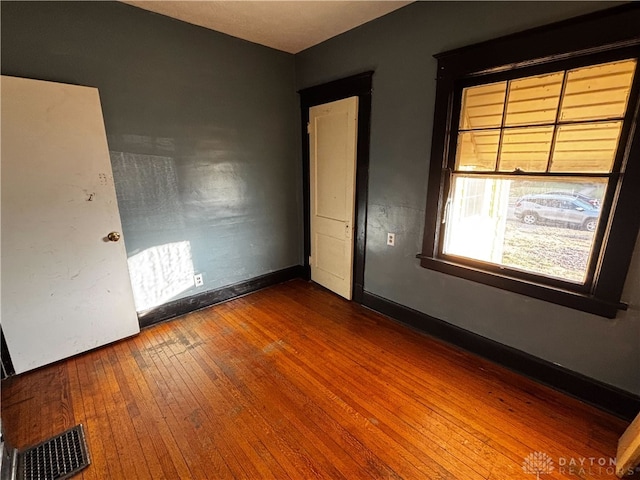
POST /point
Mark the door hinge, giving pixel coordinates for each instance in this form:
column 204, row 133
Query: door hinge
column 310, row 261
column 308, row 128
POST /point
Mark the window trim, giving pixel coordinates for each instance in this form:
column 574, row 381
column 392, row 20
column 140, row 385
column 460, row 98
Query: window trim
column 606, row 35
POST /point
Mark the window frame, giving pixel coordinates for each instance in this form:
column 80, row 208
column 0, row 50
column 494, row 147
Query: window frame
column 560, row 46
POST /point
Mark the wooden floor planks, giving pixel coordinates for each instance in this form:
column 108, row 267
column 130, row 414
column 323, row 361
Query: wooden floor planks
column 293, row 382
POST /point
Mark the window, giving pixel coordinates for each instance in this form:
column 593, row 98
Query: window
column 528, row 150
column 534, row 168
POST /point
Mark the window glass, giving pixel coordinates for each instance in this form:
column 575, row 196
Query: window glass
column 598, row 92
column 534, row 100
column 586, row 147
column 477, row 150
column 482, row 106
column 538, row 225
column 525, row 149
column 578, row 121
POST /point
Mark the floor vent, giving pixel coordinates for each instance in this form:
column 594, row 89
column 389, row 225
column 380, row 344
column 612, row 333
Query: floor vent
column 58, row 458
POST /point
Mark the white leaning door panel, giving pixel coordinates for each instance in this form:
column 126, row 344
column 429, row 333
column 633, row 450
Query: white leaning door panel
column 65, row 286
column 332, row 142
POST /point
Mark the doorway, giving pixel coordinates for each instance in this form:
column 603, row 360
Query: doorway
column 359, row 86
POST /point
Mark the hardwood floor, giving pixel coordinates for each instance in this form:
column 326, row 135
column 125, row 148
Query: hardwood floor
column 294, row 382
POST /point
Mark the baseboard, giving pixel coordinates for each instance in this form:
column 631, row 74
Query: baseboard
column 306, row 272
column 206, row 299
column 605, row 397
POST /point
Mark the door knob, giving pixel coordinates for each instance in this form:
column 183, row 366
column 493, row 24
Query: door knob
column 114, row 236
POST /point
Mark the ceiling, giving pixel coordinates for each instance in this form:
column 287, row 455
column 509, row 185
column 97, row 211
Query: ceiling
column 290, row 26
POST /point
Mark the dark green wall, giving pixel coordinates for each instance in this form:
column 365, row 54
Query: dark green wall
column 399, row 47
column 203, row 130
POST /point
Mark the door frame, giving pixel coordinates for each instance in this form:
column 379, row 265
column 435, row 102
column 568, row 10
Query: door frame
column 360, row 86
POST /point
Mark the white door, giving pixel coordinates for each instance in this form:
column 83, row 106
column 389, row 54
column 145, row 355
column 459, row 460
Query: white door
column 65, row 285
column 332, row 143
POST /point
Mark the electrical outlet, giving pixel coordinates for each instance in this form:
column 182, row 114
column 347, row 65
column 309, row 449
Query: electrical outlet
column 391, row 239
column 198, row 280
